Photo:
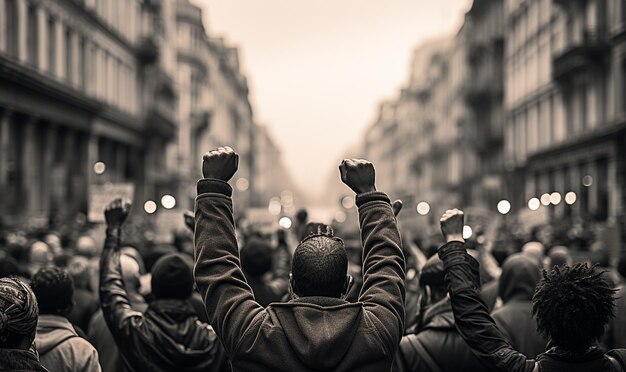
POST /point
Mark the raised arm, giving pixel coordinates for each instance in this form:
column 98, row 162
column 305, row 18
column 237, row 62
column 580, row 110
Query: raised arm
column 470, row 312
column 383, row 291
column 119, row 316
column 227, row 297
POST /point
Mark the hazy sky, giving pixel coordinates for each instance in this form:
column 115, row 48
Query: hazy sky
column 318, row 68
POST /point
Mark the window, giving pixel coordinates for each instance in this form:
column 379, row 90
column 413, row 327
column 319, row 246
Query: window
column 82, row 61
column 52, row 40
column 68, row 55
column 11, row 27
column 32, row 36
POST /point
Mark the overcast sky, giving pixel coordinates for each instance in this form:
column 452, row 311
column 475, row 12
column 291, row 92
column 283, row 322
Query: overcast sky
column 318, row 68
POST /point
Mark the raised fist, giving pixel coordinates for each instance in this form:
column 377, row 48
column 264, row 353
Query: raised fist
column 190, row 220
column 116, row 212
column 358, row 174
column 220, row 164
column 452, row 225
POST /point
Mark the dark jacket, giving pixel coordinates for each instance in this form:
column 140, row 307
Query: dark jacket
column 520, row 275
column 17, row 360
column 487, row 342
column 306, row 334
column 616, row 333
column 168, row 337
column 440, row 340
column 85, row 305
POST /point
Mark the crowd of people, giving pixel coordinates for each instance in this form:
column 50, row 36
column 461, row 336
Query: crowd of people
column 245, row 300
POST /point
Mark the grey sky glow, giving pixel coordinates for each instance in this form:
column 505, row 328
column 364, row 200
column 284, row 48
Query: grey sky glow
column 317, row 69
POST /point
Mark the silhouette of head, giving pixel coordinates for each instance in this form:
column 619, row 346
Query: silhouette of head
column 320, row 266
column 572, row 305
column 54, row 289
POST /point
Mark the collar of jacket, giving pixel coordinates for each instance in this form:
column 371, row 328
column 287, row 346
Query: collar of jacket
column 54, row 322
column 319, row 301
column 561, row 354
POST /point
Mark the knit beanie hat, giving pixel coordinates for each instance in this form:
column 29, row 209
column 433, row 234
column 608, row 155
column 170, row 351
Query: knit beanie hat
column 172, row 278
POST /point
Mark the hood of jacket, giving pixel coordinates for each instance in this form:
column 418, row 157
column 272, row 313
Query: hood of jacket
column 439, row 316
column 520, row 275
column 320, row 330
column 180, row 340
column 17, row 360
column 52, row 330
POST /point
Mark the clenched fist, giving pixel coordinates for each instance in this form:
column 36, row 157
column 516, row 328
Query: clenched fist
column 220, row 164
column 358, row 174
column 452, row 225
column 116, row 212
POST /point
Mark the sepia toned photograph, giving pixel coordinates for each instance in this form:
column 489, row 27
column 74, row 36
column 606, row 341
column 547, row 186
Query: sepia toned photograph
column 347, row 185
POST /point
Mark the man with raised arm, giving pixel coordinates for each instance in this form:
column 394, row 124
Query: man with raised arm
column 317, row 330
column 572, row 305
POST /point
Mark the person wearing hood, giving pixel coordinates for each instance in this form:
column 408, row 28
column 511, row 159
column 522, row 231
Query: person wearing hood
column 60, row 347
column 18, row 327
column 168, row 336
column 437, row 338
column 520, row 275
column 317, row 330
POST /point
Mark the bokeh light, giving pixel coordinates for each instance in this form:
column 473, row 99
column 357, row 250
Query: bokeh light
column 423, row 208
column 534, row 204
column 587, row 181
column 168, row 201
column 340, row 216
column 555, row 198
column 504, row 207
column 99, row 168
column 285, row 222
column 347, row 202
column 467, row 232
column 150, row 206
column 570, row 198
column 275, row 207
column 545, row 199
column 242, row 184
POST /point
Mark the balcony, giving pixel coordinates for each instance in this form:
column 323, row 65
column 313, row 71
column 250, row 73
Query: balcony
column 591, row 48
column 481, row 90
column 148, row 50
column 160, row 118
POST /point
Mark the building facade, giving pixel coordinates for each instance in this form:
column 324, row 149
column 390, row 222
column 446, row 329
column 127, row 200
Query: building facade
column 565, row 126
column 80, row 83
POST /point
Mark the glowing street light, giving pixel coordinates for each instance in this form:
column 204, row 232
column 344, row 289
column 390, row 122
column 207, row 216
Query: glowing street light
column 504, row 207
column 534, row 204
column 285, row 222
column 423, row 208
column 168, row 201
column 99, row 168
column 150, row 206
column 545, row 199
column 467, row 232
column 570, row 198
column 555, row 198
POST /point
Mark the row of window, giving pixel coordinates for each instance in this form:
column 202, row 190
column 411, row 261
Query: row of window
column 71, row 57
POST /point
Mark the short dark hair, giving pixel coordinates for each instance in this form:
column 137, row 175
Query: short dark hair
column 572, row 305
column 54, row 289
column 319, row 266
column 256, row 257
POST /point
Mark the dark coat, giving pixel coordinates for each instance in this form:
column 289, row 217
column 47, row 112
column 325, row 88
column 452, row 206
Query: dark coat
column 520, row 275
column 168, row 337
column 17, row 360
column 487, row 342
column 440, row 339
column 307, row 334
column 85, row 305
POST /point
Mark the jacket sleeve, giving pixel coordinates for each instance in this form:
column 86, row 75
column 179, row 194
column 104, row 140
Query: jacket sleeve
column 121, row 319
column 384, row 278
column 227, row 296
column 471, row 316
